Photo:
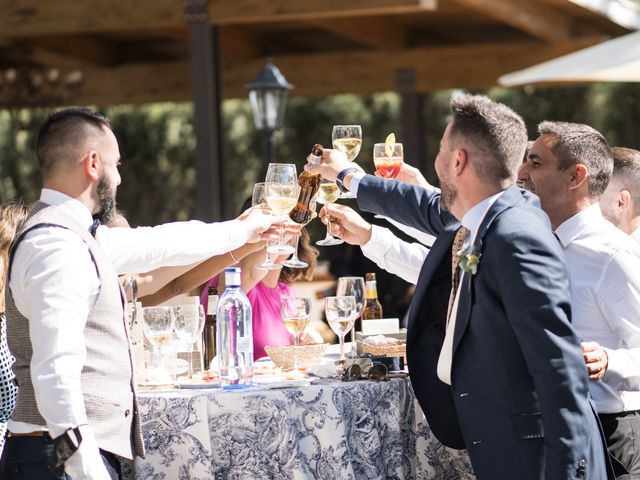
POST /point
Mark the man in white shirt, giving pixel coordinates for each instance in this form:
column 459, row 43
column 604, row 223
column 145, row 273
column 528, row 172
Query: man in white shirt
column 77, row 410
column 620, row 202
column 569, row 167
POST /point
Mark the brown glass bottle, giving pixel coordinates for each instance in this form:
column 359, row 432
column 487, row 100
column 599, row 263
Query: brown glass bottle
column 309, row 184
column 209, row 331
column 372, row 307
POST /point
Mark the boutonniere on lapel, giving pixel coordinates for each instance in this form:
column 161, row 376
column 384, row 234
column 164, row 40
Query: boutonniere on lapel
column 469, row 259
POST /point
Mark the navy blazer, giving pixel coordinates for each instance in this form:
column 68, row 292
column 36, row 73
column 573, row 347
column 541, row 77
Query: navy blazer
column 519, row 398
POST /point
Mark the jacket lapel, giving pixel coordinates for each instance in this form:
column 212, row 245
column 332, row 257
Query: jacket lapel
column 510, row 197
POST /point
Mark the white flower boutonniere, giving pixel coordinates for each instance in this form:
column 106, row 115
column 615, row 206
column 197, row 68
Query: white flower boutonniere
column 469, row 260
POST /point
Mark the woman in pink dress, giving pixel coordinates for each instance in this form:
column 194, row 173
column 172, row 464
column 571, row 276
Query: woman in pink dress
column 265, row 288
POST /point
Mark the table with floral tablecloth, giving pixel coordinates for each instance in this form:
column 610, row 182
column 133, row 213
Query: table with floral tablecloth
column 326, row 430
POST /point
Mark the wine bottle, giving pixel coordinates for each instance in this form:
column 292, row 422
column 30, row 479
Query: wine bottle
column 309, row 184
column 209, row 331
column 235, row 333
column 372, row 307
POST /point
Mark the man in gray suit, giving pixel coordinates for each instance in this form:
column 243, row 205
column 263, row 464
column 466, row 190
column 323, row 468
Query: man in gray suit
column 493, row 358
column 77, row 410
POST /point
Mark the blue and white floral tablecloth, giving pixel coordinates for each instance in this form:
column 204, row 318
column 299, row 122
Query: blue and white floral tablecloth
column 328, row 430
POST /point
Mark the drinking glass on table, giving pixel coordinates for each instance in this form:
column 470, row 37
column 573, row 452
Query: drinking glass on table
column 388, row 159
column 258, row 200
column 188, row 327
column 347, row 139
column 295, row 313
column 328, row 193
column 340, row 312
column 281, row 193
column 158, row 324
column 352, row 287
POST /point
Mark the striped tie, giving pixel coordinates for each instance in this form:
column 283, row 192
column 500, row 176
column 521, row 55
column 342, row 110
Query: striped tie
column 461, row 236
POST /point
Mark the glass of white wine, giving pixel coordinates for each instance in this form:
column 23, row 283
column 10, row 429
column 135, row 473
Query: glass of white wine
column 295, row 313
column 340, row 312
column 347, row 139
column 352, row 287
column 328, row 193
column 281, row 192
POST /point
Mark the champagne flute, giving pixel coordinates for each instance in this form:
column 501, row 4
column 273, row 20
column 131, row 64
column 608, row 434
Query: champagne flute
column 158, row 323
column 258, row 200
column 388, row 163
column 340, row 315
column 328, row 193
column 188, row 328
column 347, row 139
column 352, row 287
column 281, row 193
column 295, row 312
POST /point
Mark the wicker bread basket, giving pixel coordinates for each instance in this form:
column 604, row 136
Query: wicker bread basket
column 385, row 350
column 308, row 355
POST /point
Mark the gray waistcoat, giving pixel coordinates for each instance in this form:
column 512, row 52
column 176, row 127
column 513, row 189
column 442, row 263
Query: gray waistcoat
column 107, row 374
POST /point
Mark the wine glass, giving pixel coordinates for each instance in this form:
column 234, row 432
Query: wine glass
column 347, row 139
column 281, row 193
column 258, row 200
column 328, row 193
column 295, row 312
column 388, row 163
column 340, row 312
column 295, row 262
column 188, row 327
column 352, row 287
column 158, row 323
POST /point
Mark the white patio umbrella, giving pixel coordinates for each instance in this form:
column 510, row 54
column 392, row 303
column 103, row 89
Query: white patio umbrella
column 616, row 60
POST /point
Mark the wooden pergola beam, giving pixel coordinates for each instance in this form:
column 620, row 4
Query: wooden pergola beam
column 372, row 31
column 472, row 66
column 30, row 18
column 528, row 16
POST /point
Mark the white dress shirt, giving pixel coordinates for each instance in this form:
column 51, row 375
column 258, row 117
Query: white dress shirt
column 636, row 235
column 55, row 285
column 472, row 221
column 394, row 255
column 604, row 269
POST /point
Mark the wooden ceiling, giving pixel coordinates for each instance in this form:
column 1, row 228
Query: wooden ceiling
column 136, row 51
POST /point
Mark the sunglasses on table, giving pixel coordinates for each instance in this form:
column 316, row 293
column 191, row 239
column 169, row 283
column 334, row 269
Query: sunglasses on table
column 376, row 372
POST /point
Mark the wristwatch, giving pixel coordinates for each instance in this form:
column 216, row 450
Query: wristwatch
column 340, row 178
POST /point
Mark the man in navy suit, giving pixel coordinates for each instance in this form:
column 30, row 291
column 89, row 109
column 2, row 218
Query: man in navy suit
column 495, row 362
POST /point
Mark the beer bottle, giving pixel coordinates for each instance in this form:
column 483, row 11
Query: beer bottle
column 372, row 307
column 309, row 185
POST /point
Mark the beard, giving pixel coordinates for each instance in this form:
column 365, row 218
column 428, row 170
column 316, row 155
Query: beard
column 448, row 196
column 106, row 200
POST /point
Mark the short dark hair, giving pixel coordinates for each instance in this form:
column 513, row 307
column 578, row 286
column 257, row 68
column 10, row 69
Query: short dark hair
column 626, row 169
column 64, row 130
column 497, row 133
column 581, row 144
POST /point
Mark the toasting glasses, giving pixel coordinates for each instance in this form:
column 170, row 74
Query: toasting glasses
column 347, row 139
column 259, row 200
column 281, row 193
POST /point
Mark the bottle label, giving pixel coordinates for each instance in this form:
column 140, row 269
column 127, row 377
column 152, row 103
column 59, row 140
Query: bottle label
column 212, row 304
column 313, row 159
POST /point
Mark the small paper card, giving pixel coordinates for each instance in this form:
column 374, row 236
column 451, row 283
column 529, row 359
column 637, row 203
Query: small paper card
column 380, row 326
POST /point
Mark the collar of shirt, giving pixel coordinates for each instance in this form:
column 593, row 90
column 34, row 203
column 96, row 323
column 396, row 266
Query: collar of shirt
column 473, row 218
column 581, row 222
column 74, row 208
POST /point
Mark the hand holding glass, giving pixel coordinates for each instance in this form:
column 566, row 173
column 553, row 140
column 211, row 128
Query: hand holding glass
column 340, row 312
column 328, row 193
column 281, row 192
column 258, row 200
column 348, row 140
column 295, row 312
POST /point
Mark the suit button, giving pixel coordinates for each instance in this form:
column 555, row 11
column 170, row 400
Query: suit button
column 581, row 471
column 127, row 412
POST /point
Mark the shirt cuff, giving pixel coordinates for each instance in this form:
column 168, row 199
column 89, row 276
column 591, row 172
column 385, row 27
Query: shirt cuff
column 378, row 244
column 613, row 376
column 355, row 182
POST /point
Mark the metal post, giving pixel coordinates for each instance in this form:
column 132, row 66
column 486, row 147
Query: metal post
column 211, row 194
column 268, row 151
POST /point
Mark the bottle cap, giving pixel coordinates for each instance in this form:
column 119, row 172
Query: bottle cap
column 232, row 276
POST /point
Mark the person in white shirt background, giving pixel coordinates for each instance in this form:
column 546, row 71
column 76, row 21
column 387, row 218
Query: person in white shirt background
column 569, row 167
column 620, row 202
column 55, row 282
